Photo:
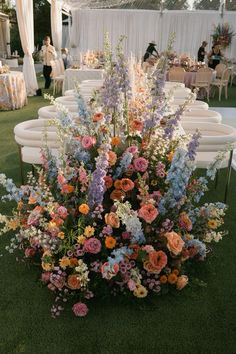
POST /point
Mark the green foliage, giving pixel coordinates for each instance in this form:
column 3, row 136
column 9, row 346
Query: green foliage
column 230, row 5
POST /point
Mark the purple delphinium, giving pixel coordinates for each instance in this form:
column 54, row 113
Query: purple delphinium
column 97, row 187
column 192, row 145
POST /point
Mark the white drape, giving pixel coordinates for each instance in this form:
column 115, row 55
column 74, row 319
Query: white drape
column 24, row 11
column 142, row 26
column 56, row 24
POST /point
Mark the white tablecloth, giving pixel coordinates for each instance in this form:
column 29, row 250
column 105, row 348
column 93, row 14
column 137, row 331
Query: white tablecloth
column 12, row 91
column 71, row 76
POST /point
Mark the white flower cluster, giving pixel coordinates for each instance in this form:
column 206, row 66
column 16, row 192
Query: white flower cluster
column 213, row 236
column 82, row 273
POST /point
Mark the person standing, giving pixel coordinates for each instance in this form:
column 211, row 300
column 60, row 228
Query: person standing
column 201, row 52
column 151, row 51
column 48, row 53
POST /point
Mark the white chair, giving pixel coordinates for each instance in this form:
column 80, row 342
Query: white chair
column 203, row 80
column 29, row 136
column 57, row 76
column 201, row 115
column 179, row 93
column 70, row 93
column 222, row 82
column 220, row 69
column 214, row 138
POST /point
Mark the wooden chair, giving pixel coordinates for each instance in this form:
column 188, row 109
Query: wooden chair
column 176, row 74
column 223, row 82
column 57, row 77
column 203, row 80
column 219, row 70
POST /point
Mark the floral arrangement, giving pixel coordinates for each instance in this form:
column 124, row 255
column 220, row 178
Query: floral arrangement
column 222, row 35
column 117, row 211
column 93, row 59
column 4, row 69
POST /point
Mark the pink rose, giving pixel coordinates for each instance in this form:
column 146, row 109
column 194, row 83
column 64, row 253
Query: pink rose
column 62, row 212
column 148, row 212
column 29, row 252
column 88, row 141
column 174, row 242
column 132, row 149
column 45, row 277
column 140, row 164
column 92, row 245
column 182, row 281
column 80, row 309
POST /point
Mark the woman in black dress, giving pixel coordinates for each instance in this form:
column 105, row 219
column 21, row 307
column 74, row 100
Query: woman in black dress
column 214, row 57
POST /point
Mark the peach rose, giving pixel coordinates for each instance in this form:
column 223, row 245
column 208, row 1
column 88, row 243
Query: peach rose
column 174, row 242
column 113, row 220
column 182, row 281
column 73, row 282
column 108, row 181
column 117, row 194
column 116, row 140
column 137, row 125
column 148, row 212
column 127, row 184
column 158, row 261
column 112, row 158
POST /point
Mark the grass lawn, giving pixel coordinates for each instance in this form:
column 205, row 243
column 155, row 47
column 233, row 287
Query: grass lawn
column 199, row 320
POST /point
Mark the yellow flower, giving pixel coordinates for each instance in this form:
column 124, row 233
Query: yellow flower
column 81, row 239
column 61, row 235
column 47, row 266
column 84, row 209
column 89, row 231
column 64, row 262
column 140, row 291
column 212, row 224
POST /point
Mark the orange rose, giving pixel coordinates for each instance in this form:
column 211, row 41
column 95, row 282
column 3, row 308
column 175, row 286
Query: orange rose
column 172, row 278
column 174, row 242
column 126, row 184
column 108, row 181
column 98, row 116
column 117, row 194
column 149, row 268
column 163, row 279
column 112, row 158
column 113, row 220
column 117, row 184
column 84, row 209
column 158, row 260
column 110, row 242
column 73, row 282
column 31, row 200
column 116, row 140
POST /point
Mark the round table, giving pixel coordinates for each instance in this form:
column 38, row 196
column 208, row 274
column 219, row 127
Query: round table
column 12, row 91
column 71, row 76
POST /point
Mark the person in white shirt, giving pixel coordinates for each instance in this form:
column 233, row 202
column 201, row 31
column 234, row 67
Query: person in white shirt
column 48, row 53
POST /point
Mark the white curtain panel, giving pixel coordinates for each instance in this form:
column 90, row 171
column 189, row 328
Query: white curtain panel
column 143, row 26
column 24, row 11
column 56, row 24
